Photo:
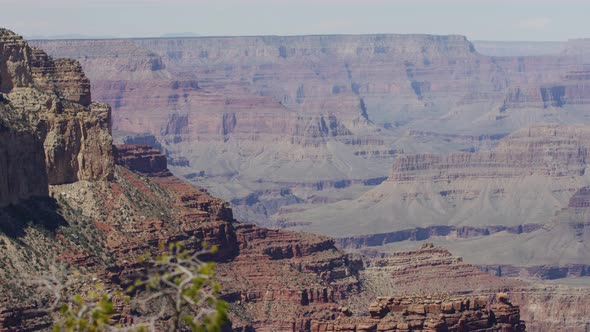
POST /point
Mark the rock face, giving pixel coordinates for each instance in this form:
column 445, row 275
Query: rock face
column 62, row 76
column 278, row 280
column 554, row 308
column 140, row 158
column 281, row 277
column 22, row 166
column 51, row 133
column 552, row 151
column 414, row 272
column 392, row 314
column 408, row 272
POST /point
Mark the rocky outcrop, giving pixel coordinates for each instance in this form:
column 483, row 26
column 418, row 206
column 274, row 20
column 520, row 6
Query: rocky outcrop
column 553, row 308
column 429, row 274
column 78, row 145
column 433, row 313
column 47, row 116
column 140, row 158
column 408, row 272
column 281, row 276
column 61, row 76
column 15, row 69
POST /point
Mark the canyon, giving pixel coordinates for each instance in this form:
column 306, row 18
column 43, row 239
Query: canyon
column 302, row 133
column 382, row 141
column 270, row 121
column 266, row 122
column 99, row 209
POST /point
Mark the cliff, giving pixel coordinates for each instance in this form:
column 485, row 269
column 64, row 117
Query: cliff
column 392, row 314
column 51, row 132
column 140, row 158
column 545, row 150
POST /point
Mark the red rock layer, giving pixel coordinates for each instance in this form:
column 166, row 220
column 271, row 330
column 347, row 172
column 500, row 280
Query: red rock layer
column 432, row 313
column 414, row 272
column 140, row 158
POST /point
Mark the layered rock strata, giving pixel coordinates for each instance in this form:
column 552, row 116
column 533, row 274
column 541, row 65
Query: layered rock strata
column 51, row 132
column 140, row 158
column 393, row 314
column 409, row 272
column 524, row 180
column 268, row 113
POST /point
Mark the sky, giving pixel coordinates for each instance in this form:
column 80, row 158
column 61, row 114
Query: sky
column 534, row 20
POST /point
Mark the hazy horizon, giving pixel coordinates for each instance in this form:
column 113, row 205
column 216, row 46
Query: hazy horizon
column 191, row 35
column 484, row 20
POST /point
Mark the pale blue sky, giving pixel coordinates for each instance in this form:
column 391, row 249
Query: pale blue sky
column 477, row 19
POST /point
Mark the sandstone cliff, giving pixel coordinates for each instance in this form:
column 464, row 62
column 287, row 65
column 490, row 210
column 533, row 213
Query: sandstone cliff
column 438, row 313
column 52, row 133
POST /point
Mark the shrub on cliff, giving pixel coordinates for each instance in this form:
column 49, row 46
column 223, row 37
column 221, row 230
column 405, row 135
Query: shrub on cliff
column 179, row 292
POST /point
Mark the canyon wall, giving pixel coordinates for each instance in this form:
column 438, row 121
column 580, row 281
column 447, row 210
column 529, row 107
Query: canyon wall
column 260, row 116
column 524, row 180
column 51, row 132
column 519, row 210
column 300, row 132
